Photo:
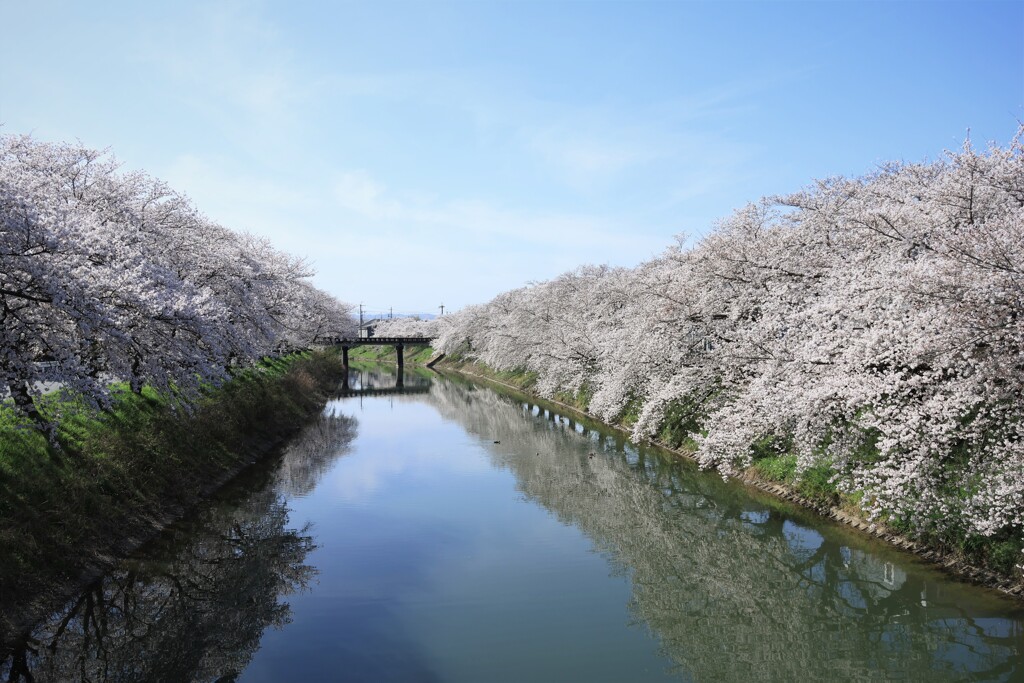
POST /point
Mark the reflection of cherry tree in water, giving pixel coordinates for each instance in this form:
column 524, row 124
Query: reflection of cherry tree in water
column 732, row 588
column 195, row 608
column 196, row 615
column 312, row 453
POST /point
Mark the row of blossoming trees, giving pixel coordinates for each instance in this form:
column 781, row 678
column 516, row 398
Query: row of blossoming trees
column 873, row 326
column 111, row 276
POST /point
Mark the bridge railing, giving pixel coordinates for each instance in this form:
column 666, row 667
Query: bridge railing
column 355, row 341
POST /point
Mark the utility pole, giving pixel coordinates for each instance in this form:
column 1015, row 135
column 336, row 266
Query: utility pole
column 360, row 318
column 442, row 309
column 391, row 312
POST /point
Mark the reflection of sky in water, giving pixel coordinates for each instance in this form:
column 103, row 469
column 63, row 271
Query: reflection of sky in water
column 423, row 538
column 754, row 516
column 404, row 449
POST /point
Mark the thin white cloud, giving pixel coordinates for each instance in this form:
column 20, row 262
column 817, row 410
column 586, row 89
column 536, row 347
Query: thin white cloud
column 586, row 162
column 366, row 241
column 357, row 192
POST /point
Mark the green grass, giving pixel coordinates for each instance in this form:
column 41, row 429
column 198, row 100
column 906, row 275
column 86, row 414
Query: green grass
column 815, row 483
column 1003, row 555
column 418, row 354
column 524, row 379
column 519, row 378
column 579, row 399
column 780, row 468
column 414, row 354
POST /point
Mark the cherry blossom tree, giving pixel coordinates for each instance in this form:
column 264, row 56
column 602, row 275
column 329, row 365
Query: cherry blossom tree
column 108, row 276
column 871, row 326
column 406, row 327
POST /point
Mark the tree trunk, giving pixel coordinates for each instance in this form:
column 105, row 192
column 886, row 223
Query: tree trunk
column 25, row 403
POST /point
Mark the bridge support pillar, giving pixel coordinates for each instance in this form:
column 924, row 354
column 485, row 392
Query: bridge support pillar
column 400, row 352
column 344, row 372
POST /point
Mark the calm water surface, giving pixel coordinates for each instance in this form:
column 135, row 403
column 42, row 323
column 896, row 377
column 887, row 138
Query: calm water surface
column 449, row 533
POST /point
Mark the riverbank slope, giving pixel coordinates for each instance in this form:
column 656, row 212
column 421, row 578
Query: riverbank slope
column 109, row 481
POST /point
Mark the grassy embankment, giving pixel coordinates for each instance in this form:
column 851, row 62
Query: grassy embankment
column 989, row 560
column 414, row 355
column 116, row 477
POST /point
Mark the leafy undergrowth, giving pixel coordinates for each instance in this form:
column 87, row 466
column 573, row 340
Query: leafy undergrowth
column 815, row 483
column 115, row 476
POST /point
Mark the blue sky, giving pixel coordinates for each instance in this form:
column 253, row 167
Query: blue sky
column 422, row 153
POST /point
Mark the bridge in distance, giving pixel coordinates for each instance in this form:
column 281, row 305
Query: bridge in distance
column 399, row 343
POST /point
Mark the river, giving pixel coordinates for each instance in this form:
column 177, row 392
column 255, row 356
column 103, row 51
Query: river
column 445, row 532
